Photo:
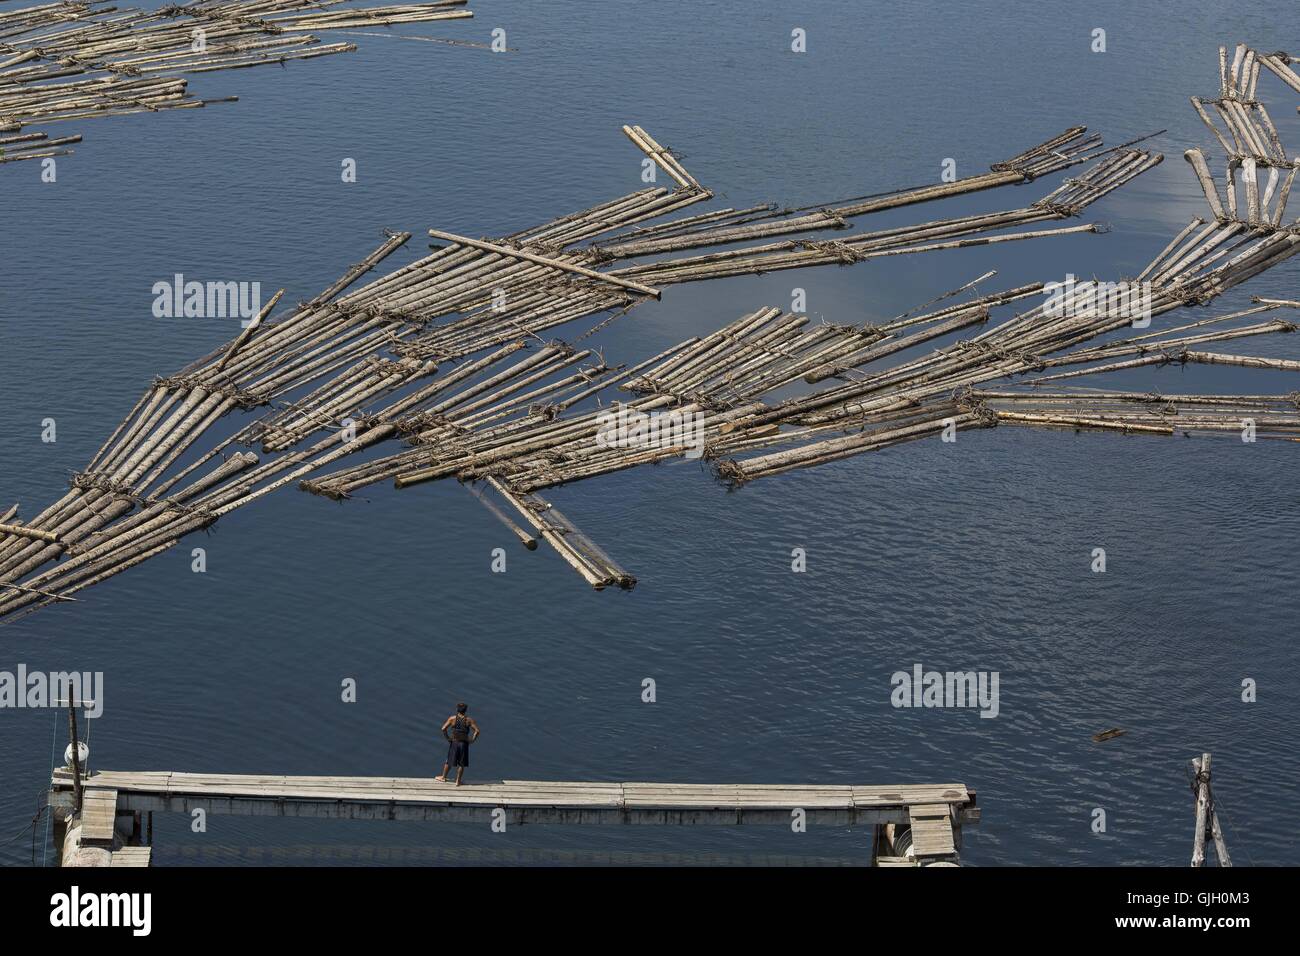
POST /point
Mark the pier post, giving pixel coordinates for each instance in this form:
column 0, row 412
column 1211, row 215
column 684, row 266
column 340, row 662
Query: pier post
column 76, row 756
column 59, row 829
column 1207, row 818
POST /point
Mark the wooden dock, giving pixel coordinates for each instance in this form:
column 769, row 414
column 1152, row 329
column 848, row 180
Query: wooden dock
column 932, row 814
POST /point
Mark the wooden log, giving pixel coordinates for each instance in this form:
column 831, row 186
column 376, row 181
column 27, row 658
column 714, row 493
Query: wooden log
column 1201, row 767
column 589, row 572
column 248, row 331
column 34, row 533
column 1197, row 160
column 1220, row 845
column 1252, row 190
column 526, row 539
column 1244, row 361
column 550, row 263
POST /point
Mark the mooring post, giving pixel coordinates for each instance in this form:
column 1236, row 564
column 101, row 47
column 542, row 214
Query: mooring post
column 1207, row 816
column 1220, row 847
column 76, row 756
column 1201, row 784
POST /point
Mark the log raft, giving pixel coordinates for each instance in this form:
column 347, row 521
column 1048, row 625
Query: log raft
column 78, row 60
column 447, row 358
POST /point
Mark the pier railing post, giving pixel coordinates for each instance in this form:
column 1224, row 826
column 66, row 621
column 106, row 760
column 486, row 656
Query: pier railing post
column 76, row 755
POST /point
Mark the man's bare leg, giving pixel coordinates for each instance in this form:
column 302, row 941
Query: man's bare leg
column 442, row 777
column 460, row 772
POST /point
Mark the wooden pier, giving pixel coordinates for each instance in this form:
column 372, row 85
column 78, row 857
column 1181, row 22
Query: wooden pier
column 117, row 806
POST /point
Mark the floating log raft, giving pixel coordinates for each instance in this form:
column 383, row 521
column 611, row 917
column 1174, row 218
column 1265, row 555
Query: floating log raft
column 499, row 295
column 81, row 59
column 14, row 149
column 446, row 358
column 1255, row 158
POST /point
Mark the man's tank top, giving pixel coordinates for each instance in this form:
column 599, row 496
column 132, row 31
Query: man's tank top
column 460, row 729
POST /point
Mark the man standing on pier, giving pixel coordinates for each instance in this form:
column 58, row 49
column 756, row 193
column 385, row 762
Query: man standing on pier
column 460, row 731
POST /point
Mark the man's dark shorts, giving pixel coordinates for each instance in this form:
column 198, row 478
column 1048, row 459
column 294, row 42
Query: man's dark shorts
column 458, row 754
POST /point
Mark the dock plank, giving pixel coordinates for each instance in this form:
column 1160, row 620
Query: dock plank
column 932, row 830
column 98, row 813
column 132, row 856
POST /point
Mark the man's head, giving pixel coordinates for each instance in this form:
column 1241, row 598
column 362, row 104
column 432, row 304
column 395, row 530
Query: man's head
column 461, row 708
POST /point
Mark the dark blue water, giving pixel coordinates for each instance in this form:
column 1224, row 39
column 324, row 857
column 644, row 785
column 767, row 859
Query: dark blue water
column 967, row 556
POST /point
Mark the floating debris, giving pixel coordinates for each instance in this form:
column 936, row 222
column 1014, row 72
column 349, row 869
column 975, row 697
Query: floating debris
column 1108, row 735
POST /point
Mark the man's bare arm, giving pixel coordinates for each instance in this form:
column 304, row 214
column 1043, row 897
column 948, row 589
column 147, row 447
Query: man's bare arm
column 445, row 724
column 474, row 726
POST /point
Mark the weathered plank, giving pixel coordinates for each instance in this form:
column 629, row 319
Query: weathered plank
column 932, row 830
column 132, row 856
column 98, row 812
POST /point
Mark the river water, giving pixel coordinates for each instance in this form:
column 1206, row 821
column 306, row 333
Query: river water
column 969, row 556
